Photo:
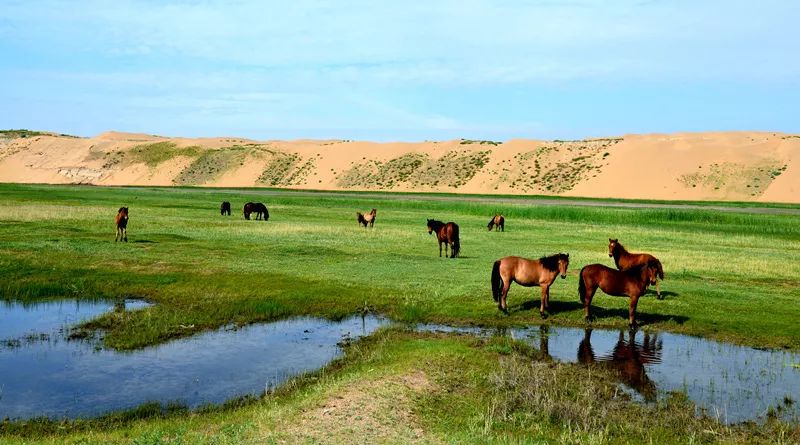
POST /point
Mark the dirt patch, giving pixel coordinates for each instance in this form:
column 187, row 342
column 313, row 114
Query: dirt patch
column 375, row 411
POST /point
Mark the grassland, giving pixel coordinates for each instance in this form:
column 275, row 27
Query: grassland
column 730, row 276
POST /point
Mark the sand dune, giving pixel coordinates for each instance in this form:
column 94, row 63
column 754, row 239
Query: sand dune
column 742, row 166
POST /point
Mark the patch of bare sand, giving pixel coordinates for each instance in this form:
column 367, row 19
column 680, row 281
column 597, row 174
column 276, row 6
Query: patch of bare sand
column 363, row 412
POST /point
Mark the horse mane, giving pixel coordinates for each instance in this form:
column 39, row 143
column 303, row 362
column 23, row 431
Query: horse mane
column 551, row 262
column 618, row 247
column 491, row 221
column 120, row 209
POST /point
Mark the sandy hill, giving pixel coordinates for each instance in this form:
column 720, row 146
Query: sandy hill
column 696, row 166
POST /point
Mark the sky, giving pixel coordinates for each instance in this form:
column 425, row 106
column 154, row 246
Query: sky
column 400, row 70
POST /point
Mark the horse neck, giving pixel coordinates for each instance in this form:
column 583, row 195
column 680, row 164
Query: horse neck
column 619, row 252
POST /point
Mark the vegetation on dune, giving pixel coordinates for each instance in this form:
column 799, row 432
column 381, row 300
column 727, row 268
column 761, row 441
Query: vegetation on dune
column 453, row 169
column 210, row 165
column 402, row 387
column 151, row 155
column 733, row 179
column 22, row 133
column 556, row 167
column 286, row 169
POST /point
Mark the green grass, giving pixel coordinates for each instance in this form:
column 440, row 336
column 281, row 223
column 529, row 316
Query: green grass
column 158, row 152
column 210, row 165
column 401, row 387
column 730, row 276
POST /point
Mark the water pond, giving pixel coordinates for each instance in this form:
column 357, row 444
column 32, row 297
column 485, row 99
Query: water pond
column 44, row 374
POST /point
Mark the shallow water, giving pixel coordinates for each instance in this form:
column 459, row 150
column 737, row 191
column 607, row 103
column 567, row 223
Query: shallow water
column 51, row 376
column 732, row 383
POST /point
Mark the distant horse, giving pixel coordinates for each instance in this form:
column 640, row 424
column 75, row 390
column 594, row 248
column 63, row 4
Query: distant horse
column 542, row 272
column 626, row 260
column 368, row 218
column 499, row 221
column 628, row 358
column 225, row 208
column 255, row 207
column 446, row 234
column 631, row 283
column 122, row 225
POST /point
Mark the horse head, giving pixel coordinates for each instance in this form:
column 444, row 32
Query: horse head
column 430, row 226
column 563, row 264
column 652, row 272
column 612, row 245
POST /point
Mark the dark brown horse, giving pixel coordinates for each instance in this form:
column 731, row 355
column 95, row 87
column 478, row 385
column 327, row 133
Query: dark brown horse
column 499, row 221
column 225, row 208
column 631, row 283
column 255, row 207
column 447, row 234
column 368, row 219
column 628, row 358
column 626, row 260
column 122, row 225
column 542, row 272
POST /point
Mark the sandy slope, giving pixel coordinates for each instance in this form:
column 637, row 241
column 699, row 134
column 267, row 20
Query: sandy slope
column 698, row 166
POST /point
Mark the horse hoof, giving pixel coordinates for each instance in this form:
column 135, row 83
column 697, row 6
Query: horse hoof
column 659, row 297
column 544, row 315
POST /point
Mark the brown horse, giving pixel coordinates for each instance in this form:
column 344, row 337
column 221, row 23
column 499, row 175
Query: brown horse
column 499, row 221
column 447, row 234
column 225, row 208
column 631, row 283
column 122, row 225
column 542, row 272
column 626, row 260
column 367, row 219
column 255, row 207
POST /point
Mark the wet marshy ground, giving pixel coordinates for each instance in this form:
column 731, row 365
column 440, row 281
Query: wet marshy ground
column 729, row 382
column 42, row 373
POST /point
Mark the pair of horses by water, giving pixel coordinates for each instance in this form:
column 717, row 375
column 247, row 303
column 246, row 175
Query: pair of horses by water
column 255, row 207
column 447, row 234
column 641, row 270
column 367, row 218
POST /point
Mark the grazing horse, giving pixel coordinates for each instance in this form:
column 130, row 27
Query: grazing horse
column 499, row 221
column 631, row 283
column 225, row 208
column 446, row 234
column 542, row 272
column 628, row 359
column 365, row 219
column 255, row 207
column 626, row 260
column 122, row 225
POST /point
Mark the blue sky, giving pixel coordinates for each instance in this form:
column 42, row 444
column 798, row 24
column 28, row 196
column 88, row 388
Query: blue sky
column 400, row 70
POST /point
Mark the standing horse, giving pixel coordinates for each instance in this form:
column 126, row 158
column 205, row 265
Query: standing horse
column 369, row 218
column 542, row 272
column 631, row 283
column 626, row 260
column 255, row 207
column 122, row 225
column 225, row 208
column 499, row 221
column 447, row 234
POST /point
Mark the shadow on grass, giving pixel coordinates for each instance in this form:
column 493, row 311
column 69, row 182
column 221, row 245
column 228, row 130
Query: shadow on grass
column 599, row 312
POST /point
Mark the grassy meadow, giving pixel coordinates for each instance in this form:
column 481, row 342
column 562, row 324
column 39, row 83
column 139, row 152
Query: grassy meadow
column 729, row 276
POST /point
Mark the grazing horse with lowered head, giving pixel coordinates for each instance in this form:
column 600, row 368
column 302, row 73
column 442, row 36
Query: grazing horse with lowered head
column 367, row 219
column 255, row 207
column 225, row 208
column 122, row 225
column 447, row 234
column 631, row 283
column 542, row 272
column 626, row 260
column 499, row 221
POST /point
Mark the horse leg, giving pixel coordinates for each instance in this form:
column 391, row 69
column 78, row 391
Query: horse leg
column 658, row 290
column 543, row 303
column 587, row 301
column 440, row 249
column 445, row 250
column 125, row 232
column 504, row 294
column 632, row 311
column 116, row 237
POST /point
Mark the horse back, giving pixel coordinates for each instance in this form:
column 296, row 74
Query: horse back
column 523, row 271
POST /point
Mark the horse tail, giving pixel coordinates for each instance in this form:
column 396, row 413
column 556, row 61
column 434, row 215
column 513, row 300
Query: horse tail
column 497, row 281
column 581, row 286
column 456, row 242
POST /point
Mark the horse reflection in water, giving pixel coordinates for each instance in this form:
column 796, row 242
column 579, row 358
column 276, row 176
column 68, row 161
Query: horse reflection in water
column 628, row 358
